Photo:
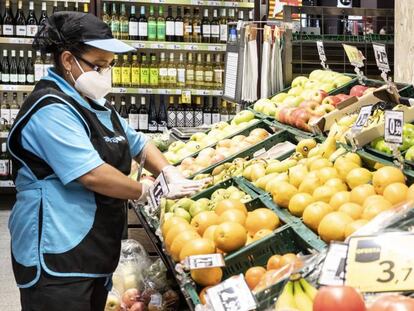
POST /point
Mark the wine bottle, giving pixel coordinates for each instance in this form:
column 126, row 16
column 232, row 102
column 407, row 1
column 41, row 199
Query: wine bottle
column 29, row 68
column 5, row 111
column 208, row 73
column 189, row 71
column 189, row 115
column 180, row 113
column 153, row 71
column 38, row 67
column 207, row 111
column 115, row 22
column 105, row 16
column 163, row 71
column 135, row 71
column 152, row 116
column 218, row 76
column 142, row 25
column 43, row 14
column 172, row 72
column 85, row 8
column 169, row 26
column 21, row 69
column 65, row 6
column 5, row 74
column 116, row 72
column 224, row 115
column 160, row 24
column 188, row 26
column 144, row 71
column 4, row 163
column 223, row 26
column 179, row 26
column 199, row 72
column 20, row 21
column 215, row 28
column 206, row 27
column 123, row 110
column 112, row 102
column 232, row 29
column 152, row 25
column 13, row 68
column 8, row 20
column 181, row 72
column 133, row 24
column 143, row 116
column 196, row 26
column 198, row 112
column 55, row 7
column 172, row 113
column 14, row 109
column 133, row 120
column 123, row 24
column 47, row 64
column 126, row 72
column 76, row 6
column 31, row 23
column 215, row 112
column 162, row 115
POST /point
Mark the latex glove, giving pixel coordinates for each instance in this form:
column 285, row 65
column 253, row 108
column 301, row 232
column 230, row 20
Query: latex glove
column 180, row 186
column 144, row 194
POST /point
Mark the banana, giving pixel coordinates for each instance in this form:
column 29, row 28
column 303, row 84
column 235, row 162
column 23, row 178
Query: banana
column 328, row 147
column 302, row 301
column 340, row 151
column 308, row 289
column 286, row 299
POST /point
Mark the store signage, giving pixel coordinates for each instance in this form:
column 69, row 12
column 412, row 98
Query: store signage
column 344, row 4
column 394, row 121
column 322, row 55
column 333, row 271
column 231, row 295
column 381, row 57
column 355, row 56
column 204, row 261
column 362, row 119
column 157, row 191
column 381, row 263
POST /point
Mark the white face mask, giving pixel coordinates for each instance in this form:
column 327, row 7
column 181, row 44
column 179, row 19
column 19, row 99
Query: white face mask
column 93, row 84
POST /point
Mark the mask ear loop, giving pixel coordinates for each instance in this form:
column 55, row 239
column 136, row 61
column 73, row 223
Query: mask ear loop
column 80, row 67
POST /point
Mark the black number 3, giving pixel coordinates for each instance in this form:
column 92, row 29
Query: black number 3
column 388, row 271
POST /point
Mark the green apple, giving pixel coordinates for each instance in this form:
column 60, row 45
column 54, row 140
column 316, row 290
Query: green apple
column 198, row 136
column 169, row 205
column 199, row 206
column 269, row 110
column 279, row 97
column 175, row 146
column 193, row 146
column 311, row 85
column 180, row 212
column 299, row 81
column 292, row 101
column 409, row 156
column 171, row 157
column 184, row 203
column 243, row 116
column 341, row 80
column 295, row 91
column 261, row 104
column 314, row 75
column 383, row 147
column 327, row 87
column 220, row 125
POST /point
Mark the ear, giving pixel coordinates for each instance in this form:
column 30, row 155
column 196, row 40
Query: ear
column 66, row 59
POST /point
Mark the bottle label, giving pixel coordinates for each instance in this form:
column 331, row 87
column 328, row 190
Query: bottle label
column 135, row 76
column 143, row 29
column 197, row 29
column 172, row 118
column 13, row 78
column 161, row 31
column 143, row 122
column 188, row 29
column 208, row 76
column 180, row 119
column 133, row 29
column 126, row 75
column 38, row 72
column 172, row 75
column 152, row 30
column 4, row 168
column 133, row 121
column 189, row 119
column 198, row 118
column 233, row 34
column 189, row 75
column 218, row 76
column 124, row 27
column 31, row 30
column 215, row 31
column 223, row 32
column 21, row 30
column 144, row 76
column 224, row 118
column 154, row 76
column 30, row 78
column 162, row 126
column 181, row 75
column 5, row 78
column 22, row 78
column 179, row 28
column 199, row 76
column 5, row 116
column 170, row 31
column 163, row 72
column 215, row 118
column 13, row 115
column 116, row 75
column 207, row 118
column 206, row 30
column 8, row 30
column 153, row 126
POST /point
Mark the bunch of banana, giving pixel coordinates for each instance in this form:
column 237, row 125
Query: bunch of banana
column 296, row 296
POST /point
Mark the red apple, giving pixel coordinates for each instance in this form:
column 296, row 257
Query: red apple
column 138, row 306
column 319, row 95
column 331, row 100
column 302, row 117
column 343, row 97
column 130, row 297
column 358, row 90
column 310, row 105
column 283, row 113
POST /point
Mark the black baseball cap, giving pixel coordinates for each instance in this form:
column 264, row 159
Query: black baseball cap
column 75, row 27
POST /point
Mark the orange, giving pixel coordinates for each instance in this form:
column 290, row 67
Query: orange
column 354, row 226
column 170, row 223
column 180, row 240
column 173, row 232
column 372, row 211
column 314, row 213
column 198, row 246
column 298, row 203
column 337, row 183
column 376, row 200
column 209, row 232
column 230, row 236
column 202, row 295
column 203, row 220
column 319, row 164
column 344, row 166
column 309, row 184
column 230, row 204
column 253, row 276
column 410, row 193
column 207, row 276
column 288, row 259
column 327, row 173
column 261, row 218
column 274, row 262
column 352, row 209
column 386, row 175
column 332, row 227
column 261, row 234
column 233, row 215
column 360, row 193
column 339, row 199
column 396, row 193
column 358, row 176
column 283, row 193
column 324, row 193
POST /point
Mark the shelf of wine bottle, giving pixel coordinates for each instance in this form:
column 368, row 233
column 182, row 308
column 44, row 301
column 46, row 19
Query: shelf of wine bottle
column 16, row 88
column 15, row 40
column 185, row 46
column 161, row 91
column 232, row 4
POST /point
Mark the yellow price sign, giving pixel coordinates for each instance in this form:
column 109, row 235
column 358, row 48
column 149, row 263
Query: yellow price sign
column 186, row 97
column 355, row 56
column 382, row 263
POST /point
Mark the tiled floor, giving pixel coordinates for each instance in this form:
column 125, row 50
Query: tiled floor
column 9, row 294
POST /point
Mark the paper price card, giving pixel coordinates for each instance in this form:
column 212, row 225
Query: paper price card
column 394, row 121
column 333, row 271
column 205, row 261
column 355, row 56
column 231, row 295
column 381, row 263
column 362, row 119
column 381, row 57
column 158, row 190
column 321, row 51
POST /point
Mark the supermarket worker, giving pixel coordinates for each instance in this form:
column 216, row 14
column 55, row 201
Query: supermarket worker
column 71, row 154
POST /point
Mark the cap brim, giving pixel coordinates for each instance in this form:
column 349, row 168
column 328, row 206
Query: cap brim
column 111, row 45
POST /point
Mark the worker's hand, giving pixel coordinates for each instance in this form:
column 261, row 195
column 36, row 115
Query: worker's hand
column 180, row 186
column 144, row 194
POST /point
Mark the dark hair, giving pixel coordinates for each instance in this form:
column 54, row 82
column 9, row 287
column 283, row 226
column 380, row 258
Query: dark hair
column 52, row 38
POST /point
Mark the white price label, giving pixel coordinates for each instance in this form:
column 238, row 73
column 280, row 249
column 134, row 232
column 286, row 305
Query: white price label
column 122, row 90
column 333, row 271
column 158, row 190
column 205, row 261
column 231, row 295
column 259, row 152
column 394, row 121
column 381, row 57
column 321, row 51
column 362, row 119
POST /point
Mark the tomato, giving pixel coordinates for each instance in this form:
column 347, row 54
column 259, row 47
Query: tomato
column 338, row 298
column 393, row 303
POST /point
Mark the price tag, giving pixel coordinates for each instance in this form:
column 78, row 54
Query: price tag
column 4, row 134
column 205, row 261
column 158, row 190
column 186, row 96
column 381, row 57
column 322, row 55
column 213, row 48
column 157, row 46
column 122, row 90
column 7, row 184
column 362, row 119
column 394, row 121
column 333, row 270
column 231, row 295
column 381, row 263
column 355, row 56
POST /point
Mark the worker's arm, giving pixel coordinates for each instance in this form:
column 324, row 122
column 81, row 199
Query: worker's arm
column 155, row 161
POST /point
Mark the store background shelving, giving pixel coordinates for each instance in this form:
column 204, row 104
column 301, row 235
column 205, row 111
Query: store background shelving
column 228, row 4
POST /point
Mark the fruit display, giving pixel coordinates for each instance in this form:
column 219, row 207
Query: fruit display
column 297, row 295
column 179, row 150
column 223, row 149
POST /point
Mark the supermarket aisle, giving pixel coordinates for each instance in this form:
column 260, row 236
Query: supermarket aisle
column 9, row 294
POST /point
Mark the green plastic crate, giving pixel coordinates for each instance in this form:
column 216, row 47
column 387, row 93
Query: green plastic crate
column 345, row 89
column 407, row 91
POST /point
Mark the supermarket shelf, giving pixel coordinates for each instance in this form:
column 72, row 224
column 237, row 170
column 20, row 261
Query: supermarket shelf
column 7, row 184
column 232, row 4
column 123, row 90
column 15, row 40
column 188, row 46
column 16, row 88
